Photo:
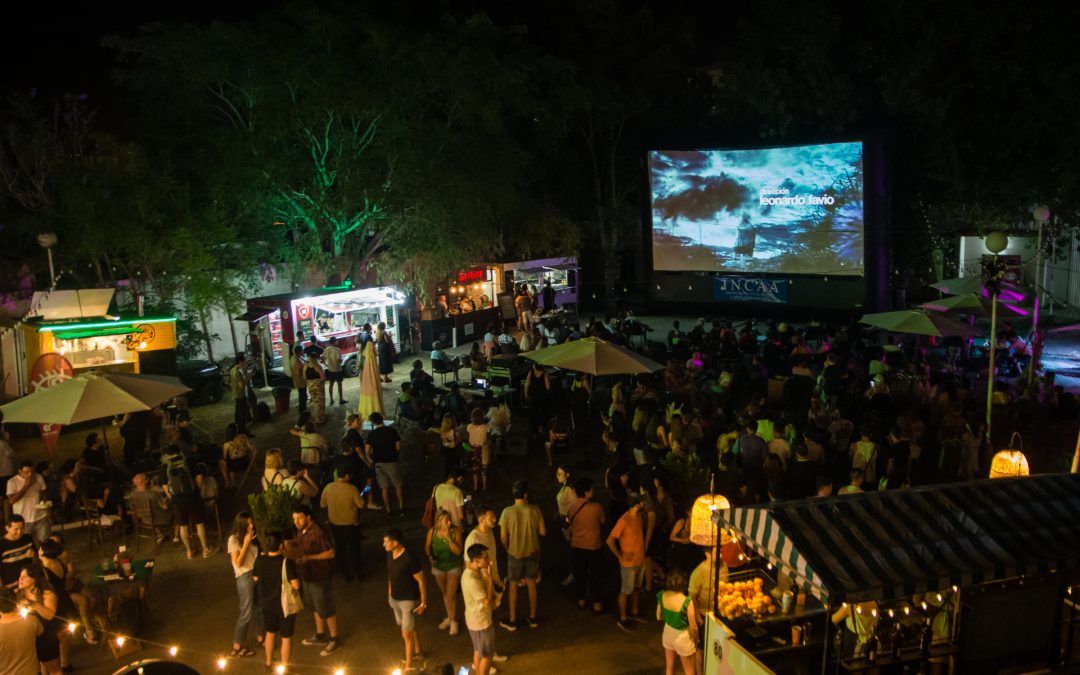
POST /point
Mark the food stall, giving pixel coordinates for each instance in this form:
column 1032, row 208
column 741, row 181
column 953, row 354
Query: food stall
column 78, row 325
column 462, row 308
column 940, row 570
column 338, row 311
column 563, row 273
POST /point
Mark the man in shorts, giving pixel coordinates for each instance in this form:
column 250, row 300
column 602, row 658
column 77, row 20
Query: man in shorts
column 478, row 589
column 627, row 542
column 521, row 525
column 313, row 551
column 383, row 448
column 183, row 484
column 332, row 358
column 405, row 588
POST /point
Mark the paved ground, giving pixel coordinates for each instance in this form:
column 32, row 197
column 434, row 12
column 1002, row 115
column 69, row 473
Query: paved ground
column 193, row 603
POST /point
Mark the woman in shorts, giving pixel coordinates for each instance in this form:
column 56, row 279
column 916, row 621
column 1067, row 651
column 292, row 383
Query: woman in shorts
column 444, row 550
column 674, row 607
column 480, row 454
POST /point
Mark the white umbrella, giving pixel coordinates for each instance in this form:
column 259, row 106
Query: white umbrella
column 91, row 396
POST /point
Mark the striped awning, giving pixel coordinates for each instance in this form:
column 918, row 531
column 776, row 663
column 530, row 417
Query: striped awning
column 892, row 544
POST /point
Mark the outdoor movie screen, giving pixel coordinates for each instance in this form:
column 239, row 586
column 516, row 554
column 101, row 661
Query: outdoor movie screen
column 790, row 210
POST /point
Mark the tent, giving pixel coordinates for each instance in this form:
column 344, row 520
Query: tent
column 886, row 545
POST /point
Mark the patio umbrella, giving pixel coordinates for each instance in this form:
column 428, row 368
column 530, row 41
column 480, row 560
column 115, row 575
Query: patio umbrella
column 593, row 356
column 370, row 384
column 974, row 284
column 917, row 322
column 969, row 303
column 91, row 396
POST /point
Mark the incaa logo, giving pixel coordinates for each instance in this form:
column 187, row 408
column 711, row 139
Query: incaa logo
column 749, row 285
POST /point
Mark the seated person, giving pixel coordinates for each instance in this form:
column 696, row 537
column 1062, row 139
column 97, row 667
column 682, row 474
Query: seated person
column 407, row 404
column 506, row 342
column 145, row 498
column 453, row 403
column 238, row 455
column 95, row 455
column 437, row 354
column 477, row 359
column 419, row 378
column 489, row 346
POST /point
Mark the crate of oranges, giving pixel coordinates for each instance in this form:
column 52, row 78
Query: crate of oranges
column 747, row 597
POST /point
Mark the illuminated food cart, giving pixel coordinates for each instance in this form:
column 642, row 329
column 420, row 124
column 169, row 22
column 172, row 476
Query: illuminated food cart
column 462, row 308
column 936, row 575
column 78, row 326
column 338, row 312
column 563, row 273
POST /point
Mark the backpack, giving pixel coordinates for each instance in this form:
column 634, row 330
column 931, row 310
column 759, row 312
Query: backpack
column 262, row 412
column 178, row 476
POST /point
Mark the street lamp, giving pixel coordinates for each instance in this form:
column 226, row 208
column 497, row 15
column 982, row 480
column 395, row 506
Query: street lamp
column 46, row 241
column 1041, row 214
column 995, row 242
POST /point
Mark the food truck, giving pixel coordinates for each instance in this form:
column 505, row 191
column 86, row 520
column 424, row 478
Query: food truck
column 339, row 312
column 464, row 306
column 77, row 325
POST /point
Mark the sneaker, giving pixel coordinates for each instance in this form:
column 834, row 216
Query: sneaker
column 625, row 625
column 344, row 401
column 453, row 627
column 533, row 623
column 331, row 647
column 638, row 619
column 509, row 625
column 568, row 581
column 315, row 640
column 445, row 624
column 499, row 658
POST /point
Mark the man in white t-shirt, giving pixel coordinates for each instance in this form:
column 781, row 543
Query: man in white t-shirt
column 25, row 490
column 331, row 356
column 478, row 589
column 450, row 498
column 484, row 533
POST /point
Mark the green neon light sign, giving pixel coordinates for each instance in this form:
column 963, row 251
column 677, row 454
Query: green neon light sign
column 104, row 324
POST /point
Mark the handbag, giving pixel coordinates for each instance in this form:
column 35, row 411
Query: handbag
column 428, row 521
column 568, row 530
column 291, row 602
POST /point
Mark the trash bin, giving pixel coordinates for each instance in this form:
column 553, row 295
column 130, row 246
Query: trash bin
column 281, row 399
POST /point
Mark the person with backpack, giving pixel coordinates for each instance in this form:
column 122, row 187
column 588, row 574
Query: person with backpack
column 182, row 485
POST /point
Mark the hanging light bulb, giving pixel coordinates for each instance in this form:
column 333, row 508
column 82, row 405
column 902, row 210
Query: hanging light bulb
column 120, row 640
column 173, row 651
column 71, row 628
column 280, row 670
column 221, row 663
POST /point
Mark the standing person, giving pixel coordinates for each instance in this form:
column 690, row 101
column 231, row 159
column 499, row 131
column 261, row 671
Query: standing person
column 676, row 609
column 537, row 393
column 404, row 589
column 238, row 386
column 55, row 574
column 478, row 589
column 479, row 433
column 313, row 552
column 16, row 551
column 296, row 372
column 355, row 459
column 444, row 550
column 564, row 498
column 133, row 431
column 342, row 502
column 585, row 519
column 520, row 527
column 25, row 490
column 277, row 582
column 18, row 653
column 334, row 374
column 315, row 377
column 243, row 551
column 95, row 454
column 548, row 296
column 524, row 311
column 450, row 498
column 39, row 599
column 383, row 448
column 7, row 466
column 484, row 533
column 384, row 349
column 184, row 492
column 627, row 541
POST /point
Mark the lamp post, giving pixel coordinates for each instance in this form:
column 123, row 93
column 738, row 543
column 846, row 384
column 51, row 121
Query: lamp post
column 995, row 242
column 1041, row 215
column 46, row 241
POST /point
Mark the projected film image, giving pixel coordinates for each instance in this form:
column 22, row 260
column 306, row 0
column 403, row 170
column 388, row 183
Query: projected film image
column 793, row 210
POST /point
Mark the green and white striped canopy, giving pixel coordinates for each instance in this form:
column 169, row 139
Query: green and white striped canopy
column 893, row 544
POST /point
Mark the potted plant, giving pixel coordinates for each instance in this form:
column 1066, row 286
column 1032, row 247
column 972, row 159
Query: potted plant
column 272, row 509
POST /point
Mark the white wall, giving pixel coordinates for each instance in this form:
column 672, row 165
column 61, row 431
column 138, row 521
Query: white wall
column 219, row 321
column 1061, row 278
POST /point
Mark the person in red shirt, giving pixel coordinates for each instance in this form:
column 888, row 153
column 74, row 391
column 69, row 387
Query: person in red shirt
column 627, row 542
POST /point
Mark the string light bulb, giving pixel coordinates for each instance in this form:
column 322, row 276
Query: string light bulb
column 24, row 612
column 71, row 628
column 120, row 640
column 339, row 671
column 173, row 651
column 221, row 663
column 280, row 670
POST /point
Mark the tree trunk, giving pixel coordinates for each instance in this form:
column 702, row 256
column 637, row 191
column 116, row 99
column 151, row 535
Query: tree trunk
column 206, row 335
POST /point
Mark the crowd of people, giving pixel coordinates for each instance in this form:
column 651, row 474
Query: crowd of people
column 771, row 411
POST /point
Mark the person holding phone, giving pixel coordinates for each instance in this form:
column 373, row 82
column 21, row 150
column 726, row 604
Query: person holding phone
column 243, row 550
column 343, row 501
